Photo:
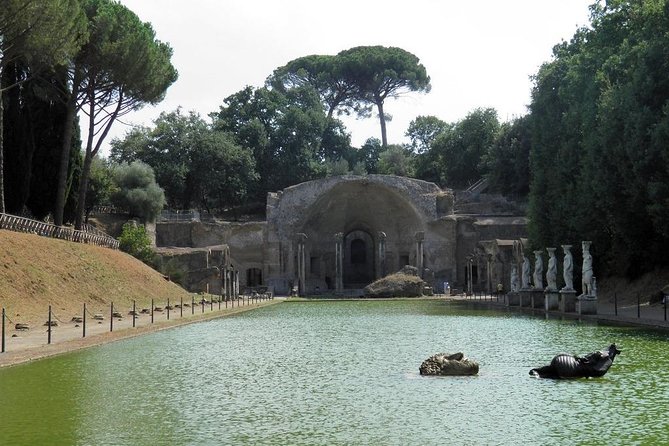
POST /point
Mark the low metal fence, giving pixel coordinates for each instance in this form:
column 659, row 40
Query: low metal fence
column 22, row 224
column 116, row 318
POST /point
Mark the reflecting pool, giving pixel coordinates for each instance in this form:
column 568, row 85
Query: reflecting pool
column 343, row 373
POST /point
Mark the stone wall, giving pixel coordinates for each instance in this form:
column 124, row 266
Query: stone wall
column 369, row 212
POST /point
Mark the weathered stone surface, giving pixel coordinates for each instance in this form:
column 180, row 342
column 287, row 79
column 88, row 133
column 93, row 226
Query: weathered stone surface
column 399, row 284
column 358, row 207
column 446, row 364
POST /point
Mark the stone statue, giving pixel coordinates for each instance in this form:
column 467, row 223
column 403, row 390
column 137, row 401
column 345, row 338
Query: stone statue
column 444, row 364
column 551, row 274
column 515, row 285
column 526, row 273
column 592, row 365
column 587, row 277
column 538, row 271
column 568, row 269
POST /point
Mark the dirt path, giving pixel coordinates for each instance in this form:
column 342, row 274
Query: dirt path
column 24, row 346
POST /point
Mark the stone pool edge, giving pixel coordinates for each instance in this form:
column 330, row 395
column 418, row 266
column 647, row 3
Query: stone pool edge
column 43, row 351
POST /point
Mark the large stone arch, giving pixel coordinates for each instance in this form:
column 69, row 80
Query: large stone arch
column 360, row 208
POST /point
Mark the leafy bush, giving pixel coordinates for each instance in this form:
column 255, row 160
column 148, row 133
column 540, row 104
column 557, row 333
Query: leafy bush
column 138, row 191
column 135, row 241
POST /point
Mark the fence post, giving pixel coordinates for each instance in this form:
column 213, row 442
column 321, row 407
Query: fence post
column 192, row 305
column 211, row 304
column 111, row 318
column 168, row 308
column 202, row 302
column 181, row 306
column 152, row 311
column 84, row 330
column 3, row 328
column 48, row 330
column 134, row 312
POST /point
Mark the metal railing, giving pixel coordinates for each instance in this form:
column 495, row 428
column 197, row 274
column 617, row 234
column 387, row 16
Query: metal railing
column 185, row 216
column 22, row 224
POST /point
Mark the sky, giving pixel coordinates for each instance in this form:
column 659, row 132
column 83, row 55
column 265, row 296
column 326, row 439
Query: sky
column 478, row 53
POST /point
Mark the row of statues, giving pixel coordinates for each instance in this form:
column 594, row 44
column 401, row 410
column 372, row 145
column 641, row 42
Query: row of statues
column 588, row 280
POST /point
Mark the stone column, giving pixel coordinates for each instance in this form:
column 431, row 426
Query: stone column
column 489, row 264
column 236, row 284
column 525, row 292
column 224, row 281
column 470, row 277
column 339, row 262
column 301, row 263
column 381, row 270
column 420, row 237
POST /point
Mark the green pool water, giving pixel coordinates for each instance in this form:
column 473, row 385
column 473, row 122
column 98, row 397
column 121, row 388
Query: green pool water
column 343, row 373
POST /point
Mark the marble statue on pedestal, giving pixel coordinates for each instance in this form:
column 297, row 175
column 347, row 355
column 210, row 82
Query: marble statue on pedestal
column 568, row 269
column 526, row 273
column 538, row 271
column 587, row 276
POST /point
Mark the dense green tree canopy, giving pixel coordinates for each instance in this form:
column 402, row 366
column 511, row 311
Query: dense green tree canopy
column 461, row 149
column 122, row 67
column 283, row 130
column 599, row 116
column 167, row 148
column 396, row 160
column 35, row 35
column 423, row 131
column 507, row 159
column 324, row 74
column 195, row 164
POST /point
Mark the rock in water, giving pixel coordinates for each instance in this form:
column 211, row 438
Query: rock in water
column 445, row 364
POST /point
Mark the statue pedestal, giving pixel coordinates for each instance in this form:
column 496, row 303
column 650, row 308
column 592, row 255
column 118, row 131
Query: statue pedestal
column 567, row 301
column 586, row 304
column 512, row 299
column 552, row 300
column 538, row 299
column 525, row 298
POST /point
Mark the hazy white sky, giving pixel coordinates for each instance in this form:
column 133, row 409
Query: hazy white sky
column 478, row 53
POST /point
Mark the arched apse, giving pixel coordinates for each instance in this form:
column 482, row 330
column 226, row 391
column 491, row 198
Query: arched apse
column 360, row 210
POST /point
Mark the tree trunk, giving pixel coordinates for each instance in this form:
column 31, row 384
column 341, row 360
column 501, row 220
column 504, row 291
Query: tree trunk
column 2, row 153
column 63, row 168
column 86, row 168
column 91, row 151
column 382, row 120
column 2, row 146
column 83, row 186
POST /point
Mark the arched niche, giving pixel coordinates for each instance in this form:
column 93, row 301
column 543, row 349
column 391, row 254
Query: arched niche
column 359, row 260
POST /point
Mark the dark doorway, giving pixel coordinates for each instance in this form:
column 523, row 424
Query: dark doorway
column 358, row 259
column 358, row 253
column 253, row 277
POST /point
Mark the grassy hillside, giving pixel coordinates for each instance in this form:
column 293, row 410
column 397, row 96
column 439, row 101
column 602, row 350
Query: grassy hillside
column 36, row 272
